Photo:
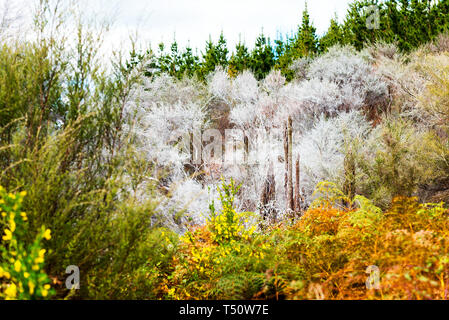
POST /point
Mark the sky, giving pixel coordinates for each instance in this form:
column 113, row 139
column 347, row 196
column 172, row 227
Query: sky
column 193, row 21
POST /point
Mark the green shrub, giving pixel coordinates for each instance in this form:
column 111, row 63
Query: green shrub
column 21, row 262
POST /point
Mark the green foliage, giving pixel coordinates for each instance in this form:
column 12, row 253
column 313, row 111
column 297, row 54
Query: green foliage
column 327, row 194
column 409, row 24
column 305, row 42
column 21, row 261
column 227, row 226
column 333, row 36
column 262, row 57
column 392, row 168
column 63, row 142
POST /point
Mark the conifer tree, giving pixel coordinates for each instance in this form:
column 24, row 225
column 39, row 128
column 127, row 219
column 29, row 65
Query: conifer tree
column 163, row 59
column 262, row 57
column 242, row 57
column 222, row 51
column 214, row 55
column 306, row 40
column 175, row 60
column 209, row 58
column 333, row 36
column 190, row 63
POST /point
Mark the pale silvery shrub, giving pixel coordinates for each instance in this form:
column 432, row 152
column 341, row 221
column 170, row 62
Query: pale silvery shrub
column 384, row 50
column 273, row 82
column 219, row 84
column 353, row 74
column 312, row 98
column 244, row 115
column 160, row 126
column 245, row 88
column 164, row 112
column 188, row 204
column 324, row 108
column 322, row 149
column 265, row 148
column 166, row 89
column 300, row 67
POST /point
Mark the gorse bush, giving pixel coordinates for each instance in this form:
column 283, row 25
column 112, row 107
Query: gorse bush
column 21, row 263
column 63, row 142
column 210, row 256
column 227, row 226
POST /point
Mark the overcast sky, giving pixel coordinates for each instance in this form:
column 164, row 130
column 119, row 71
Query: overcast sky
column 194, row 21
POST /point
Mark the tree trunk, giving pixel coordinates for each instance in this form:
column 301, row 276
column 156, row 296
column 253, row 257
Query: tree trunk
column 290, row 201
column 268, row 194
column 286, row 164
column 297, row 186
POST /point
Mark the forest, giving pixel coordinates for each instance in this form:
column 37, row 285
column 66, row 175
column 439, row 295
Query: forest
column 305, row 167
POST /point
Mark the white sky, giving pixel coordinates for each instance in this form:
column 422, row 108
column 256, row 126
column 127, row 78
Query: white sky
column 194, row 20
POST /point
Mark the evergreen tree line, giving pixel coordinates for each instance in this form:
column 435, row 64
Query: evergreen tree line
column 408, row 23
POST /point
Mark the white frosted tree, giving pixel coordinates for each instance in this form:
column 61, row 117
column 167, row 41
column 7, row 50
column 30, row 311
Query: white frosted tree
column 322, row 149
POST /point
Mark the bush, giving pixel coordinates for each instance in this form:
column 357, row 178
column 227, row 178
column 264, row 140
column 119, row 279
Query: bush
column 22, row 275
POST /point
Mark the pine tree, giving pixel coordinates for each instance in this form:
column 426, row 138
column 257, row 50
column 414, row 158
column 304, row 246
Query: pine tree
column 333, row 36
column 190, row 63
column 262, row 57
column 214, row 55
column 222, row 51
column 242, row 57
column 209, row 59
column 355, row 27
column 163, row 60
column 284, row 57
column 175, row 60
column 306, row 40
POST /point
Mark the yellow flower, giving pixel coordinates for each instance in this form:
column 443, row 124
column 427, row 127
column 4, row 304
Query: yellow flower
column 3, row 214
column 12, row 225
column 17, row 266
column 23, row 193
column 11, row 291
column 8, row 235
column 35, row 267
column 38, row 260
column 31, row 286
column 47, row 234
column 44, row 293
column 26, row 275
